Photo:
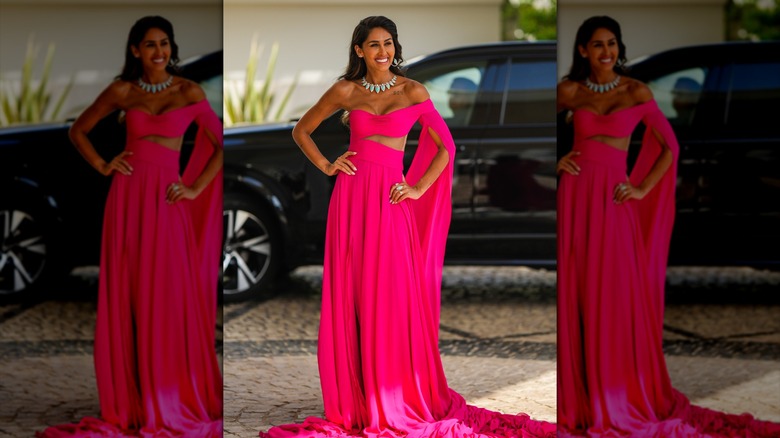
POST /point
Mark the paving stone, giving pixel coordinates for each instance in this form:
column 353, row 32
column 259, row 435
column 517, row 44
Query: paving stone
column 291, row 386
column 721, row 337
column 730, row 385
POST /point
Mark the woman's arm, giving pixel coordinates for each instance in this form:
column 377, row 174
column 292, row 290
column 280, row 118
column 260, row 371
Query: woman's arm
column 107, row 102
column 625, row 191
column 213, row 166
column 418, row 94
column 565, row 94
column 330, row 102
column 212, row 127
column 437, row 166
column 661, row 165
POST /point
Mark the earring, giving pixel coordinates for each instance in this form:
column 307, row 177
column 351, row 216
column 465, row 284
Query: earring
column 396, row 62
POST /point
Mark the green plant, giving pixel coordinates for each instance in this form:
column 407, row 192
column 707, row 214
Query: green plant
column 529, row 20
column 32, row 103
column 253, row 103
column 755, row 20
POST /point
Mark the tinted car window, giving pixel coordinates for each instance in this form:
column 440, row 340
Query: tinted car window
column 453, row 89
column 678, row 93
column 531, row 93
column 755, row 91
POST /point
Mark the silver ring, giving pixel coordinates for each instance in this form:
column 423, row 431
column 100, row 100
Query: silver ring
column 623, row 188
column 399, row 188
column 176, row 188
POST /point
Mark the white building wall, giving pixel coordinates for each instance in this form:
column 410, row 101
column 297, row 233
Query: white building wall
column 314, row 35
column 90, row 37
column 648, row 26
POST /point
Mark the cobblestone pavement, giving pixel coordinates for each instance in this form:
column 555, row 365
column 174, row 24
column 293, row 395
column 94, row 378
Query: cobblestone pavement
column 497, row 342
column 47, row 375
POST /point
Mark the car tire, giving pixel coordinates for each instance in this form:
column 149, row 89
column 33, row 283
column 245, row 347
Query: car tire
column 26, row 252
column 252, row 249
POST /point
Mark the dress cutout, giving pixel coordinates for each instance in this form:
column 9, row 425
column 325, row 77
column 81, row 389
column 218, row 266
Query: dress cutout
column 379, row 363
column 155, row 361
column 612, row 375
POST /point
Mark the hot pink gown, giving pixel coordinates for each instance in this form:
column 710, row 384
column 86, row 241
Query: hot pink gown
column 379, row 362
column 155, row 360
column 612, row 376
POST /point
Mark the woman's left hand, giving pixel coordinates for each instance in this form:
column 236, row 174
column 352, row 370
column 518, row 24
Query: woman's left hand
column 626, row 191
column 178, row 191
column 401, row 191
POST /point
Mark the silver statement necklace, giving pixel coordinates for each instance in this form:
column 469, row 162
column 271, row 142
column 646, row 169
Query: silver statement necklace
column 602, row 88
column 376, row 88
column 154, row 88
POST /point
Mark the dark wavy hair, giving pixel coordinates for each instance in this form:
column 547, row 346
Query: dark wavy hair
column 580, row 67
column 133, row 69
column 356, row 68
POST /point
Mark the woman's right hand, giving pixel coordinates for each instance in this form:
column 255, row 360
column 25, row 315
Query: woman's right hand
column 342, row 164
column 567, row 164
column 118, row 164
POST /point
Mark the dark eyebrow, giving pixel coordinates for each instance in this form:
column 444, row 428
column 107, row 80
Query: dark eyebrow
column 376, row 41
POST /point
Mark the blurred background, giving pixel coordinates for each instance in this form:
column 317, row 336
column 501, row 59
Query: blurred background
column 87, row 39
column 650, row 26
column 312, row 38
column 63, row 53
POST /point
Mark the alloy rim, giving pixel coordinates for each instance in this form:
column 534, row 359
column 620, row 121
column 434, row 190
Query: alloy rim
column 247, row 251
column 22, row 251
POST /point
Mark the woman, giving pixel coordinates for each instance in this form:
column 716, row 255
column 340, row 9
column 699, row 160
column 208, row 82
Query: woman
column 613, row 241
column 379, row 363
column 156, row 367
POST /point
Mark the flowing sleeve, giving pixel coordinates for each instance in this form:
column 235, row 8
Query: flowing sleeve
column 433, row 210
column 206, row 209
column 657, row 208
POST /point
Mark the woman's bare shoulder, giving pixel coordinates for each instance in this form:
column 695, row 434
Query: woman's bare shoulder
column 566, row 92
column 416, row 91
column 192, row 91
column 638, row 90
column 342, row 87
column 115, row 94
column 568, row 86
column 339, row 93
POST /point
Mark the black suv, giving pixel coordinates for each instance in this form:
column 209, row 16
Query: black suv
column 51, row 200
column 499, row 102
column 722, row 101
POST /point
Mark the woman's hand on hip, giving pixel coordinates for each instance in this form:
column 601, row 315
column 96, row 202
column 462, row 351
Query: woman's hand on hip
column 402, row 190
column 342, row 164
column 567, row 164
column 626, row 191
column 118, row 164
column 178, row 191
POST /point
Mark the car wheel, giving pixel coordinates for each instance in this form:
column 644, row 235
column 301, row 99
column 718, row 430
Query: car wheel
column 252, row 248
column 25, row 252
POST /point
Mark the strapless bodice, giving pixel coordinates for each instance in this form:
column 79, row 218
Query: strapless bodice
column 397, row 123
column 618, row 124
column 171, row 123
